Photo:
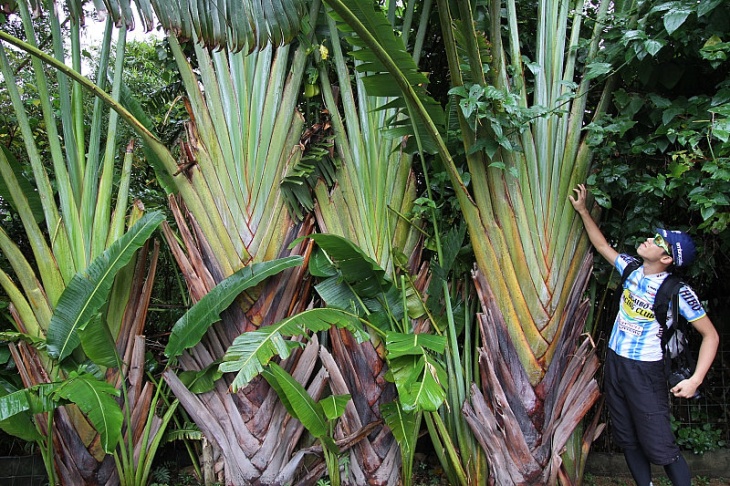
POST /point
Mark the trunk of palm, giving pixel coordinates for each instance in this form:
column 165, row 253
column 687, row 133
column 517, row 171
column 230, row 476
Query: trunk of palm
column 244, row 137
column 79, row 459
column 255, row 442
column 369, row 206
column 523, row 145
column 522, row 224
column 231, row 212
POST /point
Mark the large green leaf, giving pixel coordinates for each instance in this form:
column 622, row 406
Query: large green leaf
column 299, row 404
column 88, row 291
column 98, row 344
column 420, row 381
column 361, row 272
column 399, row 344
column 18, row 420
column 405, row 427
column 14, row 337
column 334, row 405
column 253, row 350
column 191, row 327
column 201, row 381
column 21, row 426
column 37, row 399
column 97, row 400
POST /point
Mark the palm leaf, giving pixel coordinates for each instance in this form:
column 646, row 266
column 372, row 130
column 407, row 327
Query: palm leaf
column 405, row 427
column 253, row 350
column 98, row 344
column 37, row 399
column 399, row 344
column 21, row 425
column 299, row 404
column 88, row 291
column 234, row 24
column 360, row 271
column 334, row 405
column 24, row 185
column 420, row 381
column 191, row 327
column 97, row 400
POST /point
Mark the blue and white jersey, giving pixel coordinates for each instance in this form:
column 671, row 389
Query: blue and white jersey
column 636, row 332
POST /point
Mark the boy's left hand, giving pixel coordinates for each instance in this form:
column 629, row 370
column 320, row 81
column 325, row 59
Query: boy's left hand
column 685, row 389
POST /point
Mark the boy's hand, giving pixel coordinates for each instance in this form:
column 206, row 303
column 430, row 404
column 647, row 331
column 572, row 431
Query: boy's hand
column 579, row 202
column 685, row 389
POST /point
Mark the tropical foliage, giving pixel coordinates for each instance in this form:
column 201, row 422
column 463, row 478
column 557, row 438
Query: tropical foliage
column 321, row 259
column 79, row 297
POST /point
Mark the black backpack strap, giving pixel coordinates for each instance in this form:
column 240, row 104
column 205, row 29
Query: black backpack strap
column 630, row 268
column 668, row 292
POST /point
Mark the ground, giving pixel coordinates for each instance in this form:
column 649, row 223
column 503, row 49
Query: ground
column 589, row 480
column 433, row 476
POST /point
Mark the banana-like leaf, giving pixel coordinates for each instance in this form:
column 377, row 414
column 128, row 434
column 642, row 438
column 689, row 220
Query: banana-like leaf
column 299, row 404
column 420, row 381
column 189, row 432
column 201, row 381
column 37, row 399
column 191, row 327
column 96, row 399
column 88, row 290
column 398, row 344
column 98, row 344
column 14, row 337
column 405, row 427
column 334, row 405
column 356, row 268
column 253, row 350
column 19, row 424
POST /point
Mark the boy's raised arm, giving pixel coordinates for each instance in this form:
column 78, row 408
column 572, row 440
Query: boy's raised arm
column 598, row 241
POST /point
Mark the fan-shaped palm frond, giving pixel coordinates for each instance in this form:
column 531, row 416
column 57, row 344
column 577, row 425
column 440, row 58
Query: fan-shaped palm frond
column 219, row 24
column 243, row 135
column 82, row 218
column 369, row 206
column 521, row 173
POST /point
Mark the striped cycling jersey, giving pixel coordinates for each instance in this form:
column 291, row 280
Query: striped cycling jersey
column 636, row 332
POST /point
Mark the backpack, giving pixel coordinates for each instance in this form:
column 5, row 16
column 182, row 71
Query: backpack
column 678, row 355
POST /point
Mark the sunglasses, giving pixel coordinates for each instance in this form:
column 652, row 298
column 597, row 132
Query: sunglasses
column 662, row 243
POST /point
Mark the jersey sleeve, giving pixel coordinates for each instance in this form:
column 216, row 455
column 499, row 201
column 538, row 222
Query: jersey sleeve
column 689, row 304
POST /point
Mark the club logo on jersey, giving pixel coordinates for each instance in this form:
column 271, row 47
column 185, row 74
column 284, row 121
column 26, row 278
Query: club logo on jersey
column 636, row 309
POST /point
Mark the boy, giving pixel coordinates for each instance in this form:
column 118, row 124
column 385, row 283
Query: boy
column 635, row 384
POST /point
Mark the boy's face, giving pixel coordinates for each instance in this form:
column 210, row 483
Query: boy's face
column 655, row 249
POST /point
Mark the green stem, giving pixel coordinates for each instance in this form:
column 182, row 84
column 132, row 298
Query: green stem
column 48, row 448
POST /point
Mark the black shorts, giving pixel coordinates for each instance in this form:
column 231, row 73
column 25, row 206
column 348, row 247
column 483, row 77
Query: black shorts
column 637, row 396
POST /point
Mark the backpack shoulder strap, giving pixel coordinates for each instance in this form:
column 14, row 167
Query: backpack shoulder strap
column 633, row 265
column 668, row 292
